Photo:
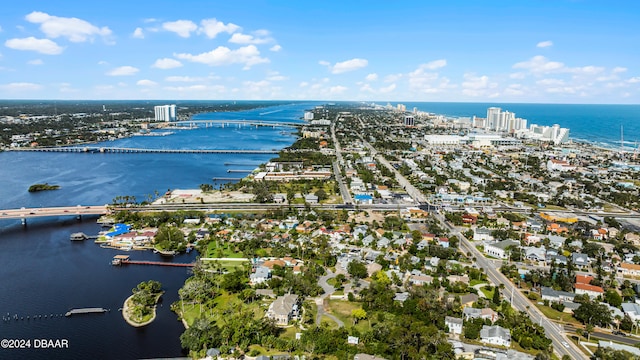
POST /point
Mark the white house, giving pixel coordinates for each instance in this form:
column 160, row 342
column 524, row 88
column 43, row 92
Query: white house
column 496, row 335
column 454, row 325
column 499, row 249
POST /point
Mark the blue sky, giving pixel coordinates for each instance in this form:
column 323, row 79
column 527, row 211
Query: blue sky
column 468, row 51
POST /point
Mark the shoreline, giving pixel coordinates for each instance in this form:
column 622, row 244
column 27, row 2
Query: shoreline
column 125, row 312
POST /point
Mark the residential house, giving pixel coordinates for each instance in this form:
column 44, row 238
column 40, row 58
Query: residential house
column 444, row 242
column 535, row 254
column 367, row 357
column 420, row 280
column 482, row 234
column 555, row 295
column 454, row 324
column 260, row 275
column 632, row 310
column 458, row 278
column 629, row 269
column 485, row 314
column 284, row 309
column 580, row 260
column 499, row 249
column 591, row 290
column 495, row 335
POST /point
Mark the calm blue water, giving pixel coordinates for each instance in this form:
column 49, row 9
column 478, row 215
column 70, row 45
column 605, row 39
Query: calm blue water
column 43, row 272
column 593, row 123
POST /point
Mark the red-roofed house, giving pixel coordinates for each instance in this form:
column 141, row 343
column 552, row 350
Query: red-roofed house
column 591, row 290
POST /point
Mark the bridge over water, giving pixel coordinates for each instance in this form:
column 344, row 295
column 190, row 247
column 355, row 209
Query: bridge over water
column 239, row 122
column 100, row 149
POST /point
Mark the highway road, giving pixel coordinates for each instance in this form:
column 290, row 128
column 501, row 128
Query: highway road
column 562, row 345
column 346, row 195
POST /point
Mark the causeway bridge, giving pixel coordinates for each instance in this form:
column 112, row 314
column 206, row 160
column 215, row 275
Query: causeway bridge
column 102, row 150
column 239, row 122
column 76, row 211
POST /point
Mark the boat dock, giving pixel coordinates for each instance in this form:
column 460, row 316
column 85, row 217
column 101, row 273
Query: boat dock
column 226, row 179
column 80, row 236
column 160, row 263
column 124, row 260
column 85, row 311
column 239, row 171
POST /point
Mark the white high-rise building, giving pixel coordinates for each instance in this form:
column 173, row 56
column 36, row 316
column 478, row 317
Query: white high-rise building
column 308, row 115
column 493, row 118
column 165, row 112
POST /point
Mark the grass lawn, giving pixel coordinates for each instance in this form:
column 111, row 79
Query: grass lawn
column 554, row 315
column 487, row 293
column 342, row 310
column 220, row 249
column 330, row 323
column 476, row 282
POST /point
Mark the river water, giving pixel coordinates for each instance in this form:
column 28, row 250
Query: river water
column 43, row 273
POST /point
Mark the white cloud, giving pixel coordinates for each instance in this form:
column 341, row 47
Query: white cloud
column 387, row 89
column 517, row 75
column 244, row 39
column 73, row 29
column 324, row 63
column 212, row 27
column 275, row 48
column 102, row 62
column 514, row 89
column 434, row 65
column 183, row 28
column 43, row 46
column 392, row 78
column 276, row 76
column 372, row 77
column 619, row 69
column 199, row 88
column 182, row 79
column 545, row 44
column 123, row 71
column 424, row 79
column 149, row 20
column 146, row 82
column 478, row 86
column 166, row 63
column 550, row 82
column 222, row 55
column 21, row 86
column 540, row 65
column 634, row 80
column 303, row 84
column 138, row 33
column 346, row 66
column 35, row 62
column 338, row 89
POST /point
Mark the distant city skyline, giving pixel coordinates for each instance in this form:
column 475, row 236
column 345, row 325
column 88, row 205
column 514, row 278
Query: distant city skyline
column 498, row 51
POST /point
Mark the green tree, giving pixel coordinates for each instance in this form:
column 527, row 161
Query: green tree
column 613, row 298
column 358, row 314
column 357, row 269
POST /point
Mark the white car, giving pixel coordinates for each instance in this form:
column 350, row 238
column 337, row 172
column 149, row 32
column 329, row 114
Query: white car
column 565, row 344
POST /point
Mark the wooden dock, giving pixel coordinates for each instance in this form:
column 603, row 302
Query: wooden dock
column 159, row 263
column 85, row 311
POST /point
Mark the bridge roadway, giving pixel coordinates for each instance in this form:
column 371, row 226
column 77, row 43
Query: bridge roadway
column 99, row 149
column 79, row 210
column 25, row 213
column 241, row 122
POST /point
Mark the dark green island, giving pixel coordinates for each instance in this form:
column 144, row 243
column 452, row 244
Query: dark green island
column 43, row 187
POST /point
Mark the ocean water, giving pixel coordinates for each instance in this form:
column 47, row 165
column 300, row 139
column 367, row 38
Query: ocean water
column 599, row 124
